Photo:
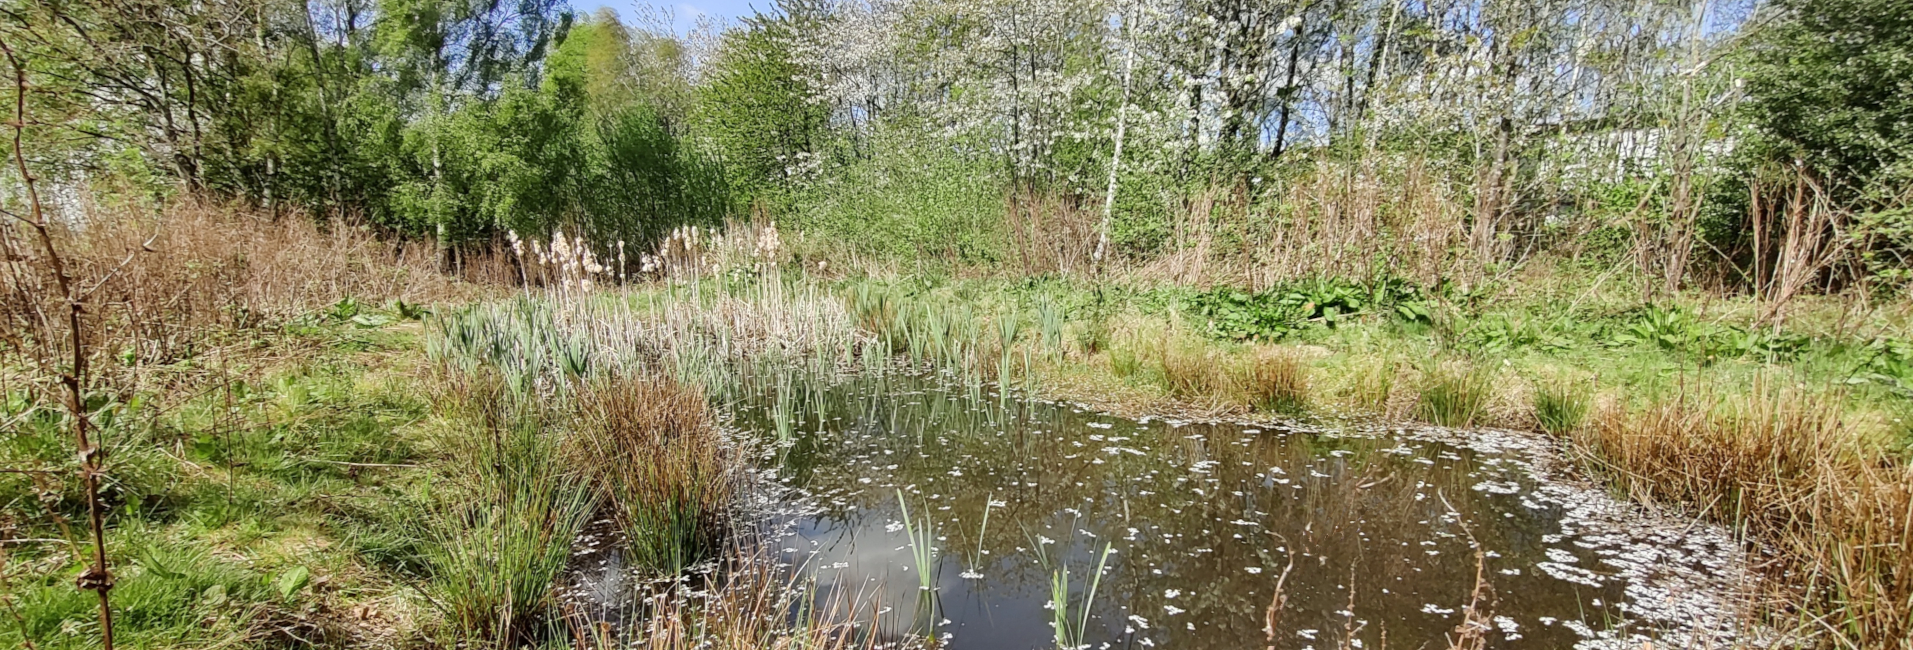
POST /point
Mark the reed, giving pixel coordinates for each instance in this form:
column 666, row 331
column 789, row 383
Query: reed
column 1009, row 328
column 923, row 551
column 1070, row 630
column 923, row 555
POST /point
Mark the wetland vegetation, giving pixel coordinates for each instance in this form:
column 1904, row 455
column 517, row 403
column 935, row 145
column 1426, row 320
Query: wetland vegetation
column 978, row 324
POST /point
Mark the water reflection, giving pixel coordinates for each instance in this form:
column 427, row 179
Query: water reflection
column 1373, row 540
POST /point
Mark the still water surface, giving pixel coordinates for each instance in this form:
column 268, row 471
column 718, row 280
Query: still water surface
column 1371, row 541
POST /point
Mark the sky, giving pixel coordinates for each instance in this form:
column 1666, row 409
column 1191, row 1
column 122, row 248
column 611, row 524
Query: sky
column 685, row 14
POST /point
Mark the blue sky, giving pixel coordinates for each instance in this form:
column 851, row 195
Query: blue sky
column 685, row 13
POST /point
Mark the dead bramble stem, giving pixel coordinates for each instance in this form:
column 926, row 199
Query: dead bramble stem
column 96, row 578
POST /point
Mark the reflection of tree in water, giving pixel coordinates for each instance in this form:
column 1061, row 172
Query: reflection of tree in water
column 1374, row 549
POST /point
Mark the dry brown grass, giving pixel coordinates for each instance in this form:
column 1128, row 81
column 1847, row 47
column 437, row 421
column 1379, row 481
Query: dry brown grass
column 1276, row 379
column 1381, row 213
column 156, row 284
column 657, row 457
column 1049, row 233
column 1788, row 468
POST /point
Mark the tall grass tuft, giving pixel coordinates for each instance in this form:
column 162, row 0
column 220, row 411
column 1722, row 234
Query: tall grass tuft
column 1454, row 394
column 1188, row 368
column 1786, row 467
column 1277, row 380
column 500, row 534
column 655, row 454
column 1560, row 406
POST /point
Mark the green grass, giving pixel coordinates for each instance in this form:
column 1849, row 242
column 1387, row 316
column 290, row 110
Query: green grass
column 1560, row 406
column 1374, row 348
column 1454, row 395
column 237, row 509
column 499, row 536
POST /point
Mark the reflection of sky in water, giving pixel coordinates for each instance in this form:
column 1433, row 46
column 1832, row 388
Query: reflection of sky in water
column 1201, row 519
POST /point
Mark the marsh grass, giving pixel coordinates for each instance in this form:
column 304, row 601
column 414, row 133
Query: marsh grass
column 1787, row 467
column 660, row 463
column 499, row 533
column 1276, row 380
column 1454, row 394
column 1560, row 405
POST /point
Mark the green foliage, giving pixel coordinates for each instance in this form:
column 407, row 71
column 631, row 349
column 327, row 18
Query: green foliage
column 910, row 199
column 1560, row 406
column 643, row 180
column 1272, row 314
column 756, row 107
column 1675, row 330
column 1828, row 84
column 451, row 119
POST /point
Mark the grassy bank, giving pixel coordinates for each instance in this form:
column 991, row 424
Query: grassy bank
column 292, row 460
column 261, row 507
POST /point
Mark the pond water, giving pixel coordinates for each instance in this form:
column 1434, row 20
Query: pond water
column 1210, row 534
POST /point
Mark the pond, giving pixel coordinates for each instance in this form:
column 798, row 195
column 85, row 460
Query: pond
column 958, row 513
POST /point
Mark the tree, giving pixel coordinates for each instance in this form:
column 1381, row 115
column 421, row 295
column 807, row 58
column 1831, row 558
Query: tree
column 757, row 108
column 1831, row 83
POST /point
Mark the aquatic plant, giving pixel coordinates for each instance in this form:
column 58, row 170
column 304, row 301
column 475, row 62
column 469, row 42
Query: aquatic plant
column 1071, row 630
column 976, row 559
column 923, row 552
column 783, row 410
column 923, row 557
column 1050, row 319
column 1008, row 329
